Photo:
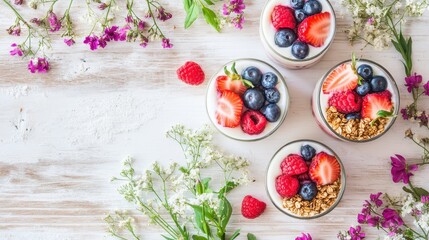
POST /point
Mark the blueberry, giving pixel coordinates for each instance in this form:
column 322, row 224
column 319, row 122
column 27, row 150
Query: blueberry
column 284, row 37
column 364, row 88
column 272, row 95
column 308, row 152
column 269, row 80
column 300, row 15
column 252, row 74
column 365, row 71
column 253, row 98
column 378, row 84
column 355, row 115
column 308, row 190
column 300, row 50
column 312, row 7
column 271, row 112
column 297, row 4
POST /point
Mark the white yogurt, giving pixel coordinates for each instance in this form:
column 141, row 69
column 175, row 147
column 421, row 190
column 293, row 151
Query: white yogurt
column 237, row 133
column 284, row 55
column 320, row 100
column 274, row 171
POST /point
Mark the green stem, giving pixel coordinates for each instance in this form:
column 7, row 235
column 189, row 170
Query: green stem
column 157, row 29
column 17, row 13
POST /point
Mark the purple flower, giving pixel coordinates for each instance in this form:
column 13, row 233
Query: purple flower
column 69, row 42
column 401, row 171
column 102, row 42
column 36, row 21
column 40, row 66
column 14, row 30
column 92, row 41
column 238, row 21
column 373, row 221
column 375, row 198
column 236, row 6
column 423, row 119
column 166, row 43
column 123, row 33
column 111, row 33
column 129, row 19
column 304, row 237
column 102, row 6
column 425, row 199
column 18, row 2
column 54, row 23
column 370, row 20
column 163, row 15
column 404, row 113
column 391, row 219
column 16, row 51
column 141, row 25
column 143, row 41
column 413, row 81
column 356, row 233
column 426, row 88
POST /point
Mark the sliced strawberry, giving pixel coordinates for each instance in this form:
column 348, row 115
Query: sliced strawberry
column 229, row 107
column 374, row 102
column 342, row 78
column 314, row 30
column 225, row 83
column 324, row 169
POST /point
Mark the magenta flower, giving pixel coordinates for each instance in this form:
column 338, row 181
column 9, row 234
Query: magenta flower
column 129, row 19
column 102, row 6
column 238, row 21
column 426, row 88
column 16, row 51
column 54, row 23
column 36, row 21
column 423, row 119
column 166, row 43
column 375, row 198
column 144, row 41
column 356, row 233
column 370, row 20
column 18, row 2
column 236, row 6
column 404, row 113
column 69, row 42
column 40, row 66
column 401, row 171
column 304, row 237
column 141, row 25
column 391, row 219
column 102, row 42
column 163, row 15
column 123, row 33
column 92, row 41
column 413, row 81
column 14, row 30
column 425, row 199
column 111, row 33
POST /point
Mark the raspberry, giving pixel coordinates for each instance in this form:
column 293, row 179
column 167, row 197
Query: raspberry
column 283, row 17
column 293, row 165
column 191, row 73
column 303, row 177
column 253, row 122
column 252, row 207
column 346, row 102
column 287, row 186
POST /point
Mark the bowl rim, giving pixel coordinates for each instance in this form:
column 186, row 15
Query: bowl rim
column 279, row 122
column 339, row 196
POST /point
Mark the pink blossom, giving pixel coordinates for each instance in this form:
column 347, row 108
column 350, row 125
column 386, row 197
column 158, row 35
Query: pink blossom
column 14, row 30
column 356, row 233
column 129, row 19
column 163, row 15
column 39, row 66
column 111, row 33
column 123, row 33
column 391, row 220
column 413, row 81
column 102, row 42
column 36, row 21
column 102, row 6
column 426, row 88
column 92, row 41
column 401, row 171
column 166, row 43
column 69, row 42
column 18, row 2
column 144, row 41
column 304, row 237
column 16, row 51
column 54, row 23
column 141, row 25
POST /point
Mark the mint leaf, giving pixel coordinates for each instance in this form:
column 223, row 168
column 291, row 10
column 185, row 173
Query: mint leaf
column 187, row 4
column 250, row 236
column 247, row 83
column 211, row 18
column 227, row 73
column 233, row 69
column 235, row 234
column 383, row 113
column 192, row 15
column 209, row 2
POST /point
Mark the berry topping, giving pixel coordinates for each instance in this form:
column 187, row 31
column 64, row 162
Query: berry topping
column 342, row 78
column 293, row 165
column 191, row 73
column 272, row 95
column 308, row 190
column 287, row 186
column 253, row 122
column 307, row 152
column 283, row 17
column 364, row 88
column 378, row 84
column 300, row 50
column 365, row 71
column 253, row 98
column 253, row 75
column 351, row 116
column 251, row 207
column 324, row 169
column 300, row 15
column 271, row 112
column 374, row 102
column 285, row 37
column 303, row 177
column 297, row 4
column 269, row 80
column 229, row 107
column 315, row 29
column 346, row 102
column 225, row 83
column 312, row 7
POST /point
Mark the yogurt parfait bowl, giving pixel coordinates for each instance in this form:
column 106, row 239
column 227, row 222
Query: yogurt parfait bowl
column 247, row 99
column 356, row 101
column 297, row 33
column 305, row 179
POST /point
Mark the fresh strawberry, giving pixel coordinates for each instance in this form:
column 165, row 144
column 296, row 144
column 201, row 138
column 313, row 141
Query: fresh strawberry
column 191, row 73
column 251, row 207
column 253, row 122
column 283, row 17
column 346, row 102
column 315, row 29
column 287, row 186
column 293, row 165
column 342, row 78
column 374, row 102
column 324, row 169
column 229, row 107
column 225, row 83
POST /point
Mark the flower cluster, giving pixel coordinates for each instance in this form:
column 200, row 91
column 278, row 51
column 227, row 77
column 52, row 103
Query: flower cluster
column 194, row 202
column 304, row 236
column 236, row 8
column 417, row 89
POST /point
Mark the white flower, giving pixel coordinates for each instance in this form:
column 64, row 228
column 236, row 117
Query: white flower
column 407, row 206
column 423, row 222
column 394, row 237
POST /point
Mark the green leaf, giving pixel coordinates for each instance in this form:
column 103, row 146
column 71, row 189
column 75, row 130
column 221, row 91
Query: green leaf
column 200, row 220
column 205, row 183
column 225, row 210
column 407, row 190
column 250, row 236
column 227, row 188
column 235, row 234
column 199, row 209
column 421, row 192
column 383, row 113
column 211, row 18
column 167, row 238
column 187, row 4
column 192, row 15
column 233, row 69
column 227, row 73
column 209, row 2
column 195, row 237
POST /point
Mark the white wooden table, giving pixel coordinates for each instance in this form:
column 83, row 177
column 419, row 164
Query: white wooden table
column 63, row 134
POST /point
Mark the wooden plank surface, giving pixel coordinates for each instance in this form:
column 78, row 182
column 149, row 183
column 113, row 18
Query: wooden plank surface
column 63, row 134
